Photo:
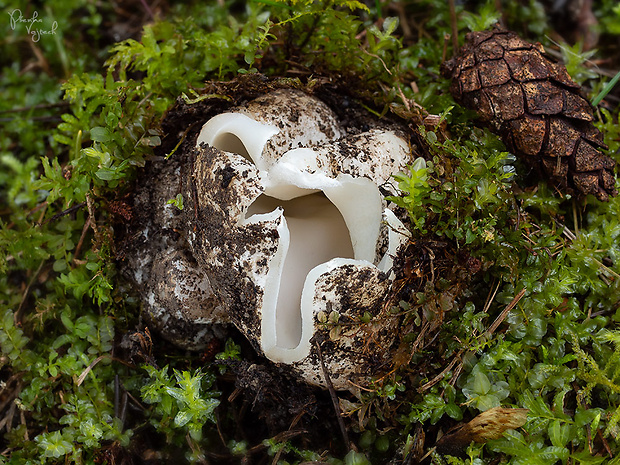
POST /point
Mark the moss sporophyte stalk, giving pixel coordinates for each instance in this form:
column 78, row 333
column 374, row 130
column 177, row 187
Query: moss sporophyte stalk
column 487, row 290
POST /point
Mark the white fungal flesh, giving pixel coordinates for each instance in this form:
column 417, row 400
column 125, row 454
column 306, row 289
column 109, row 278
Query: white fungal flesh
column 237, row 133
column 316, row 234
column 329, row 219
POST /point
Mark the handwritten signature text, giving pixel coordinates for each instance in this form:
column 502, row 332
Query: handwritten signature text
column 33, row 24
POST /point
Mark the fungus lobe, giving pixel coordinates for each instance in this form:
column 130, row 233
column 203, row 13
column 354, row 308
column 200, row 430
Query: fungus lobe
column 298, row 229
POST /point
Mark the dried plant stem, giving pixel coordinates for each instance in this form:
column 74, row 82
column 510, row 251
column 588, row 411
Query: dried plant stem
column 88, row 369
column 78, row 248
column 17, row 317
column 65, row 212
column 502, row 316
column 490, row 298
column 454, row 27
column 458, row 357
column 438, row 378
column 332, row 394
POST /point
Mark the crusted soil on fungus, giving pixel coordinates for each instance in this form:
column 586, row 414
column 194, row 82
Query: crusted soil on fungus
column 181, row 126
column 363, row 320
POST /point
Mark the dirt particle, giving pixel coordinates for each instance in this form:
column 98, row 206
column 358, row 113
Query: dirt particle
column 227, row 174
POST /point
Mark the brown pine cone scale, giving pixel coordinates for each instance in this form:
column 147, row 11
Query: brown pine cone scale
column 535, row 107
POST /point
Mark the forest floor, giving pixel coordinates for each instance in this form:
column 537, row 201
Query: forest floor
column 506, row 297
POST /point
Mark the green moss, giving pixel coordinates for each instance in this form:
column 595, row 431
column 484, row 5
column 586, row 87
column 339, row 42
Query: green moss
column 63, row 309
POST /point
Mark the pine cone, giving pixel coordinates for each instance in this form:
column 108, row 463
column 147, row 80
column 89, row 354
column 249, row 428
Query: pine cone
column 535, row 107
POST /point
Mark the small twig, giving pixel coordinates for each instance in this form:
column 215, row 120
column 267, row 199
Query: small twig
column 567, row 232
column 399, row 8
column 404, row 99
column 124, row 362
column 7, row 421
column 181, row 140
column 17, row 316
column 22, row 417
column 88, row 369
column 147, row 8
column 454, row 27
column 430, row 343
column 146, row 98
column 42, row 106
column 420, row 339
column 488, row 332
column 91, row 212
column 46, row 119
column 605, row 268
column 378, row 58
column 431, row 451
column 456, row 374
column 490, row 298
column 41, row 60
column 219, row 430
column 117, row 396
column 124, row 403
column 234, row 394
column 575, row 218
column 438, row 378
column 502, row 316
column 431, row 256
column 43, row 212
column 360, row 387
column 42, row 205
column 444, row 50
column 276, row 457
column 136, row 401
column 8, row 397
column 332, row 394
column 120, row 403
column 64, row 212
column 280, row 437
column 81, row 241
column 605, row 444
